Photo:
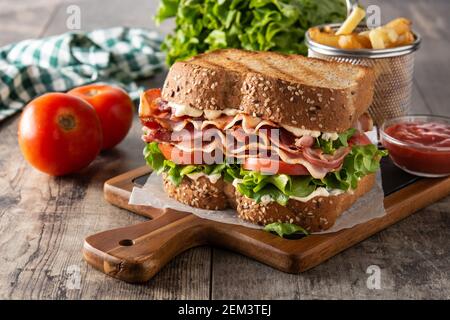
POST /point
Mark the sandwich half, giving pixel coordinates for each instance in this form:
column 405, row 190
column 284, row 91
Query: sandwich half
column 280, row 138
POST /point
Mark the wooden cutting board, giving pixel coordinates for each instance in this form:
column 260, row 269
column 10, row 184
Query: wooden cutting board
column 136, row 253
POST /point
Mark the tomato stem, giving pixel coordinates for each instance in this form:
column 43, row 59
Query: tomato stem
column 67, row 122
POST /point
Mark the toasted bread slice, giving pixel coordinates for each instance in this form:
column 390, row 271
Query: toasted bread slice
column 286, row 89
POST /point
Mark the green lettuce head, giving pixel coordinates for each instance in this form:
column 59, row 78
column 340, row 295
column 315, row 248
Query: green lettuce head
column 264, row 25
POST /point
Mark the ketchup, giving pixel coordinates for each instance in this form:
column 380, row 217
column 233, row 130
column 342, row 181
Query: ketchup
column 424, row 147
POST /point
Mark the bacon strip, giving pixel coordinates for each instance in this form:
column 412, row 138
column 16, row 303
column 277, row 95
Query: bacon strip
column 364, row 123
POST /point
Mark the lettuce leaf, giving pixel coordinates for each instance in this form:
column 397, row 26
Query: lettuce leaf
column 175, row 172
column 361, row 161
column 285, row 229
column 268, row 25
column 330, row 146
column 154, row 157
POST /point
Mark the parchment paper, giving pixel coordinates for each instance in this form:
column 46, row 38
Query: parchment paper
column 366, row 208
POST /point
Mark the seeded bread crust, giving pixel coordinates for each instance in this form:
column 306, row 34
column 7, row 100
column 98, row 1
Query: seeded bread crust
column 318, row 214
column 287, row 89
column 200, row 193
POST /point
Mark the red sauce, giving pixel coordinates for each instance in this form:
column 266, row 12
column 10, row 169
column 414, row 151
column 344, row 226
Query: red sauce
column 427, row 149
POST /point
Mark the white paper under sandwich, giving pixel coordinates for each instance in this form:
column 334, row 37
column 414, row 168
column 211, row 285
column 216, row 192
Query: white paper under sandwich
column 368, row 207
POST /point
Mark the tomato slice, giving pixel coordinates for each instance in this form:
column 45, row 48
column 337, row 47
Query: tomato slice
column 271, row 166
column 178, row 156
column 359, row 139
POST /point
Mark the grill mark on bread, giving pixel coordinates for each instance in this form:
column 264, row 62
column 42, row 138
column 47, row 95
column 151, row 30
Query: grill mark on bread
column 237, row 66
column 305, row 70
column 255, row 58
column 291, row 78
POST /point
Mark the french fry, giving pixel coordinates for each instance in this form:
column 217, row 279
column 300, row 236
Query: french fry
column 391, row 34
column 400, row 25
column 328, row 29
column 405, row 39
column 364, row 40
column 324, row 38
column 352, row 21
column 349, row 42
column 378, row 39
column 394, row 34
column 364, row 34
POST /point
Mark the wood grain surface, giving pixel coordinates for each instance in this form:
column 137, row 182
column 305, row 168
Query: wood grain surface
column 138, row 252
column 44, row 220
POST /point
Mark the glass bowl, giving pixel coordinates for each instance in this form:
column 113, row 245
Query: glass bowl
column 418, row 144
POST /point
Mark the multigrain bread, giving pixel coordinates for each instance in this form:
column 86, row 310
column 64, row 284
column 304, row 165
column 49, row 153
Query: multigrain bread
column 318, row 214
column 199, row 193
column 286, row 89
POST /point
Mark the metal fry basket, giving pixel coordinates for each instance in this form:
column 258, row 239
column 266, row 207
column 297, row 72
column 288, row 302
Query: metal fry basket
column 393, row 70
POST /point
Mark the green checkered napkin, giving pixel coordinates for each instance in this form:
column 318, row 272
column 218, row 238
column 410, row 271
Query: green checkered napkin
column 117, row 55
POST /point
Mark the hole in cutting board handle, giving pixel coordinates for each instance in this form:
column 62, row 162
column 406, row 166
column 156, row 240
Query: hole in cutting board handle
column 126, row 242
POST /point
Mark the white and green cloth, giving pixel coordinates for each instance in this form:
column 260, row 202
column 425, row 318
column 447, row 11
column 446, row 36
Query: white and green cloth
column 117, row 55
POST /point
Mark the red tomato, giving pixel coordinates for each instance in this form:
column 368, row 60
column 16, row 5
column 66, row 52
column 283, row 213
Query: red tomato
column 178, row 156
column 59, row 133
column 114, row 108
column 272, row 166
column 359, row 139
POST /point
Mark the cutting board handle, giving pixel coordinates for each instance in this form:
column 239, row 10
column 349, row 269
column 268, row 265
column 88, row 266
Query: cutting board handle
column 136, row 253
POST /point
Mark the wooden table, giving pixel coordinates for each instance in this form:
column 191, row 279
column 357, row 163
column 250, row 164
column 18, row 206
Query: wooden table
column 43, row 220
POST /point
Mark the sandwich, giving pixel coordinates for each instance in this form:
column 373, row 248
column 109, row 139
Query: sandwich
column 278, row 137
